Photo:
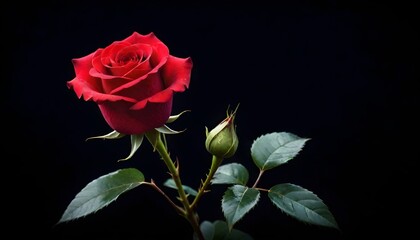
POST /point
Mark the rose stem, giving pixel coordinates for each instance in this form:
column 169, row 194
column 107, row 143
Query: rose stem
column 190, row 214
column 214, row 165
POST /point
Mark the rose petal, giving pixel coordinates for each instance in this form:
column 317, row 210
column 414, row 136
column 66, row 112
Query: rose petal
column 144, row 89
column 177, row 73
column 134, row 82
column 135, row 56
column 135, row 122
column 160, row 97
column 143, row 66
column 94, row 73
column 131, row 68
column 109, row 53
column 160, row 52
column 146, row 39
column 83, row 82
column 111, row 84
column 82, row 88
column 97, row 63
column 82, row 66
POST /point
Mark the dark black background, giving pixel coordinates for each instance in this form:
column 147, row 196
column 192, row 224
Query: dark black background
column 341, row 73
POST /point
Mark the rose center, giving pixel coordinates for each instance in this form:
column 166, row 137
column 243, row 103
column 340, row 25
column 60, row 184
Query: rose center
column 128, row 58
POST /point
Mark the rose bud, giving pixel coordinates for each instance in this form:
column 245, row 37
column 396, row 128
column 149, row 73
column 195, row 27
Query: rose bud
column 222, row 141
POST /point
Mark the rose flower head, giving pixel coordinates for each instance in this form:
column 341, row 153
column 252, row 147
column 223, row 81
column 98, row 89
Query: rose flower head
column 222, row 140
column 132, row 81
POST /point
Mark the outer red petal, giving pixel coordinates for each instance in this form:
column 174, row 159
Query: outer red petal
column 129, row 122
column 84, row 83
column 88, row 86
column 177, row 73
column 146, row 39
column 82, row 67
column 145, row 88
column 160, row 97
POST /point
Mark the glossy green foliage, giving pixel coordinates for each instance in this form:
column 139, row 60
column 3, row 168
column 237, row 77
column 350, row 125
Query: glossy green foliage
column 231, row 173
column 237, row 201
column 101, row 192
column 273, row 149
column 301, row 204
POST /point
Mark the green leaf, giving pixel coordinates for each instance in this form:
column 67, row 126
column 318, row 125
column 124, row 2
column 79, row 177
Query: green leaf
column 232, row 173
column 222, row 232
column 101, row 192
column 274, row 149
column 237, row 201
column 112, row 135
column 219, row 230
column 301, row 204
column 207, row 228
column 136, row 141
column 171, row 183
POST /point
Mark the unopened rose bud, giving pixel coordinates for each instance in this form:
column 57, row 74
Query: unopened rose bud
column 222, row 141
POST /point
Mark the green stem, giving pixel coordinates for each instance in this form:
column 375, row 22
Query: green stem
column 215, row 163
column 190, row 214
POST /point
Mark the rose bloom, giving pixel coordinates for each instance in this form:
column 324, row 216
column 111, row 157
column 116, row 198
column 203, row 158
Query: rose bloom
column 132, row 81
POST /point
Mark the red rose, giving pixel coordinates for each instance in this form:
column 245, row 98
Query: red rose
column 132, row 81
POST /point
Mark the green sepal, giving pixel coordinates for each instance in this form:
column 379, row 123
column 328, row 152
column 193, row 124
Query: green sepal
column 153, row 137
column 166, row 130
column 136, row 141
column 175, row 117
column 112, row 135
